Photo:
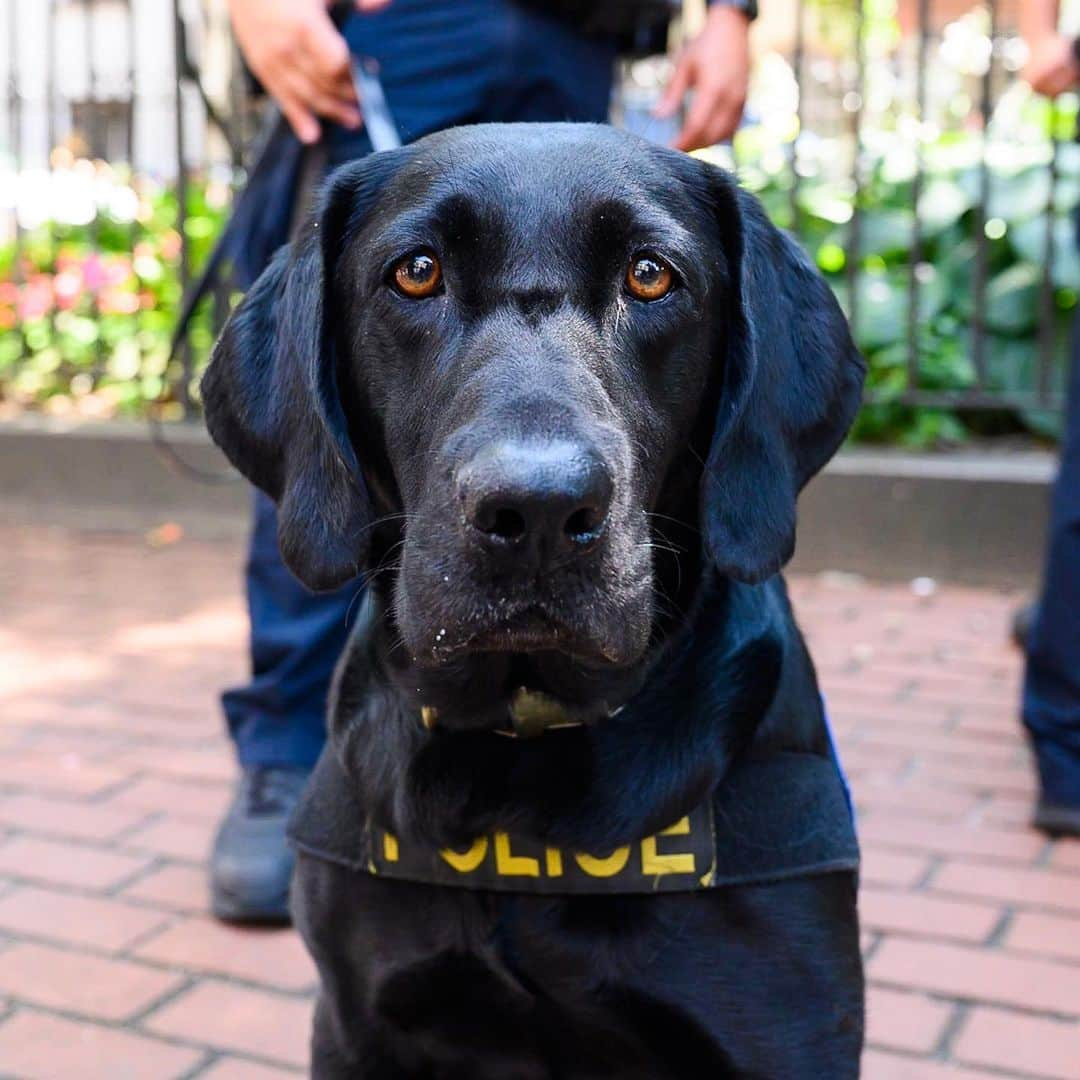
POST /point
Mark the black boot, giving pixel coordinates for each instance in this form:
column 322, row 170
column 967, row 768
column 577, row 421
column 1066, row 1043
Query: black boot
column 252, row 863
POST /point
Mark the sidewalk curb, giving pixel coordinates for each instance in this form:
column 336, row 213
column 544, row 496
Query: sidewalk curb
column 972, row 517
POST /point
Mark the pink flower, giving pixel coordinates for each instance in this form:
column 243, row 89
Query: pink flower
column 113, row 301
column 93, row 272
column 170, row 244
column 67, row 287
column 35, row 298
column 118, row 270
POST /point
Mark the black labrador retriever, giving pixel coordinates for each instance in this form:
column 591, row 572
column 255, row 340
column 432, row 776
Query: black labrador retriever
column 555, row 391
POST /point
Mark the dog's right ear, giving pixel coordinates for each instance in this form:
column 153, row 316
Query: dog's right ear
column 271, row 391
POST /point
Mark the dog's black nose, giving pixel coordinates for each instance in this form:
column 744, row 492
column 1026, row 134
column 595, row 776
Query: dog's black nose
column 541, row 501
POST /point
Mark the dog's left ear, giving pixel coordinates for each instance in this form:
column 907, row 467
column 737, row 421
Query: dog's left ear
column 271, row 393
column 791, row 386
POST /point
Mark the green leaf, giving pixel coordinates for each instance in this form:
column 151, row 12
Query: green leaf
column 942, row 204
column 886, row 233
column 1028, row 240
column 1016, row 198
column 1012, row 299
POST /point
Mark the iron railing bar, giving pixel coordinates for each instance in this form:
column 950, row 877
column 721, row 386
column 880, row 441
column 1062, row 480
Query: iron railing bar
column 982, row 251
column 855, row 229
column 93, row 146
column 213, row 113
column 915, row 262
column 15, row 127
column 1047, row 306
column 798, row 57
column 237, row 101
column 50, row 85
column 180, row 61
column 50, row 104
column 132, row 84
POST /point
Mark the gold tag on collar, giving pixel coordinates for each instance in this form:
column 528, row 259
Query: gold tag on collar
column 532, row 713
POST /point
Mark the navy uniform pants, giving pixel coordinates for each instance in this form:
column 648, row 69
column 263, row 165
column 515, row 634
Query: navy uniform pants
column 442, row 63
column 1052, row 681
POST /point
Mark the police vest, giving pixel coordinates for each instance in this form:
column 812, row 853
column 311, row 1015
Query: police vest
column 781, row 816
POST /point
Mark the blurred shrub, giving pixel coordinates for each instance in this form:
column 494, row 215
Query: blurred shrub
column 89, row 296
column 1016, row 222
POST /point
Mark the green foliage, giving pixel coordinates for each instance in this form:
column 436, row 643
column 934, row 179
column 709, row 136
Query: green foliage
column 1018, row 226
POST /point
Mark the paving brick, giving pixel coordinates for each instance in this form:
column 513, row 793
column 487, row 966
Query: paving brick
column 234, row 1018
column 81, row 920
column 937, row 743
column 70, row 775
column 909, row 799
column 985, row 843
column 1051, row 935
column 179, row 888
column 86, row 821
column 1027, row 1044
column 176, row 839
column 976, row 776
column 182, row 800
column 1008, row 810
column 37, row 1047
column 899, row 1021
column 216, row 763
column 930, row 916
column 1066, row 855
column 231, row 1068
column 78, row 982
column 877, row 1065
column 61, row 863
column 1015, row 885
column 272, row 956
column 978, row 975
column 892, row 867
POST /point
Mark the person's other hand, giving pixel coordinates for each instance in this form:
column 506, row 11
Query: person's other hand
column 300, row 58
column 1052, row 67
column 716, row 66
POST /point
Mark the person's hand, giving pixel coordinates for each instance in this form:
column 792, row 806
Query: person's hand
column 716, row 66
column 299, row 57
column 1052, row 67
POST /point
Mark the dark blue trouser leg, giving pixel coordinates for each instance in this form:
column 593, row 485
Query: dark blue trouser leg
column 1052, row 682
column 296, row 637
column 442, row 63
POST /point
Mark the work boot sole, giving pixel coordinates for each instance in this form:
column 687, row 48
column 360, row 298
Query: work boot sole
column 231, row 909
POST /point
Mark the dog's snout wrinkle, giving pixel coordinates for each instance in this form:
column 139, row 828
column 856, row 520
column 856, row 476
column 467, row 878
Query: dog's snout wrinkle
column 536, row 502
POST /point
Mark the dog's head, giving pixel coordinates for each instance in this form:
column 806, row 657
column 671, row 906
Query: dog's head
column 500, row 361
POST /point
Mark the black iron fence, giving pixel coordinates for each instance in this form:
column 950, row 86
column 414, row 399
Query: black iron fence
column 933, row 190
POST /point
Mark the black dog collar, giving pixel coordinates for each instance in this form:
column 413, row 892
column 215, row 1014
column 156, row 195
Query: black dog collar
column 529, row 715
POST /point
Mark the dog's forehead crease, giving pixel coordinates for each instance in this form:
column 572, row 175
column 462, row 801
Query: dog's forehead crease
column 533, row 194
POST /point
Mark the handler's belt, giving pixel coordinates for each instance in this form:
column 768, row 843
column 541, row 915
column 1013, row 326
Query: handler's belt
column 772, row 818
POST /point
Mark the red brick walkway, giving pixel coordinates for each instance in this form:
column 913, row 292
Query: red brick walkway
column 113, row 770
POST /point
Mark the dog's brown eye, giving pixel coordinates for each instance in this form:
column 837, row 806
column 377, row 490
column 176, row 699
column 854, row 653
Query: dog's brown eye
column 648, row 277
column 418, row 275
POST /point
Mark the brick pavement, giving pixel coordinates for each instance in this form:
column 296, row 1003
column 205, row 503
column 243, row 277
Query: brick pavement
column 113, row 769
